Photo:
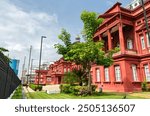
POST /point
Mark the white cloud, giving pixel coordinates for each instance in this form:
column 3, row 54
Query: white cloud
column 20, row 29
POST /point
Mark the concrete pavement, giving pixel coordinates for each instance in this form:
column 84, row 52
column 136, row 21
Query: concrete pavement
column 51, row 89
column 27, row 89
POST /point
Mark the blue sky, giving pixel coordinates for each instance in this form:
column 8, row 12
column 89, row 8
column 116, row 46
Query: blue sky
column 23, row 22
column 68, row 11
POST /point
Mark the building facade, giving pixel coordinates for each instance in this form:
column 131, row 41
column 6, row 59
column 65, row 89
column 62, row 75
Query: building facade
column 126, row 29
column 40, row 77
column 54, row 73
column 57, row 71
column 14, row 64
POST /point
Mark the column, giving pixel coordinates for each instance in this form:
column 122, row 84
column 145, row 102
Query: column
column 145, row 39
column 139, row 43
column 121, row 39
column 109, row 40
column 100, row 37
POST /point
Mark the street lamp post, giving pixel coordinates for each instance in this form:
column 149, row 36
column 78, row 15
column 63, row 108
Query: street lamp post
column 146, row 20
column 40, row 58
column 29, row 65
column 23, row 70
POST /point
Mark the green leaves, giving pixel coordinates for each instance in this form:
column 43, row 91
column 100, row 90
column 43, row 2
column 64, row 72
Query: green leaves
column 91, row 23
column 6, row 58
column 85, row 53
column 3, row 50
column 65, row 38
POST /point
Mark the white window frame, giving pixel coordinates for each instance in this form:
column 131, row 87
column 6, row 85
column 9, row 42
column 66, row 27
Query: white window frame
column 65, row 70
column 147, row 72
column 68, row 69
column 142, row 42
column 106, row 74
column 98, row 77
column 134, row 72
column 148, row 42
column 117, row 73
column 129, row 44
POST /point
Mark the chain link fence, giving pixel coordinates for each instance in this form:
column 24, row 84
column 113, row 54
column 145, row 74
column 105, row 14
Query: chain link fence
column 8, row 79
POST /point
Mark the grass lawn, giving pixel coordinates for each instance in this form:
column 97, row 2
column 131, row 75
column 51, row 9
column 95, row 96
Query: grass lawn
column 18, row 93
column 105, row 95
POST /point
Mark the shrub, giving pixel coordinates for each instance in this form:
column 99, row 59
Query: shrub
column 76, row 90
column 40, row 87
column 148, row 87
column 65, row 88
column 35, row 87
column 94, row 88
column 71, row 89
column 61, row 88
column 81, row 90
column 144, row 86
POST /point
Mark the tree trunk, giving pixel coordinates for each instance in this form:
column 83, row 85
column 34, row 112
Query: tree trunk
column 89, row 81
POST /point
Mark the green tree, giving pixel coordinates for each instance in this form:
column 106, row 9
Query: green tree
column 91, row 23
column 65, row 38
column 2, row 51
column 85, row 53
column 75, row 76
column 80, row 75
column 70, row 78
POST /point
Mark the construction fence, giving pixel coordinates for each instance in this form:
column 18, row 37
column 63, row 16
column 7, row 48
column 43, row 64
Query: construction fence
column 9, row 81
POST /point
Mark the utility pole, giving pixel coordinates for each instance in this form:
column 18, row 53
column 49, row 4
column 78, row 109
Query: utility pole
column 146, row 20
column 29, row 65
column 23, row 69
column 31, row 72
column 40, row 58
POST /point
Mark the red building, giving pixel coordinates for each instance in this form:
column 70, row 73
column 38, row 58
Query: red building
column 54, row 74
column 57, row 71
column 42, row 80
column 124, row 28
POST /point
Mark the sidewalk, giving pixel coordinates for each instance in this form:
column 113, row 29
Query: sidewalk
column 28, row 89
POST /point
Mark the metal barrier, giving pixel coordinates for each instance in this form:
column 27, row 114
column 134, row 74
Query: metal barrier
column 8, row 79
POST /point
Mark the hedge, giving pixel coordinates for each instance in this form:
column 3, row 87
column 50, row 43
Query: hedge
column 76, row 90
column 35, row 87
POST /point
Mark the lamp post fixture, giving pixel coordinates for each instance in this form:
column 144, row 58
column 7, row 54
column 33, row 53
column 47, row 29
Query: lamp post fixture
column 146, row 20
column 40, row 58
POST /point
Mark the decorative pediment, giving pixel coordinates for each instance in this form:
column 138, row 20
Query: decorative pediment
column 111, row 11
